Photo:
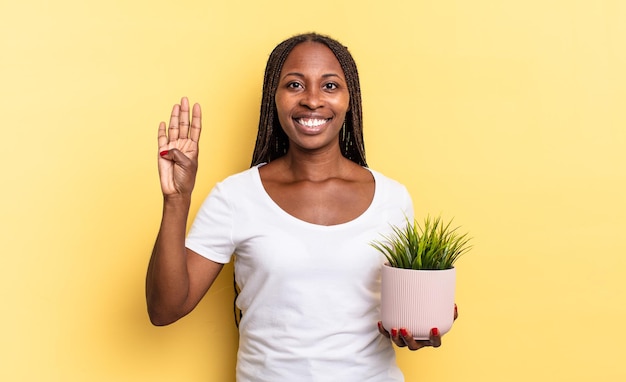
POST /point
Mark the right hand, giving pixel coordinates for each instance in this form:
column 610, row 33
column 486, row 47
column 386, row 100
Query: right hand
column 178, row 150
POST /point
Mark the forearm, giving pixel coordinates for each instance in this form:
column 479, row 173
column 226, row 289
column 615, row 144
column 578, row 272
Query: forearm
column 167, row 281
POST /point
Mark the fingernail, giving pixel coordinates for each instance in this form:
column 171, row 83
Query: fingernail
column 435, row 331
column 394, row 332
column 163, row 153
column 380, row 326
column 403, row 332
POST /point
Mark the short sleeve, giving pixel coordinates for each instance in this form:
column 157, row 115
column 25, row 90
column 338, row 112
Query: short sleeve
column 212, row 230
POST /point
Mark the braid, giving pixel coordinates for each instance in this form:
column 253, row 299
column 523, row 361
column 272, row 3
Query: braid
column 272, row 142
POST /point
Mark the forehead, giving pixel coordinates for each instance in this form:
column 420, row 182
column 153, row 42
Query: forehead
column 312, row 56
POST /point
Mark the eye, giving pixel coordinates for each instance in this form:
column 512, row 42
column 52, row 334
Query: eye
column 294, row 85
column 330, row 86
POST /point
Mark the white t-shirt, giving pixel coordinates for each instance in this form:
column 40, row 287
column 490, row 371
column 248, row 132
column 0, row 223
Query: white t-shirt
column 310, row 294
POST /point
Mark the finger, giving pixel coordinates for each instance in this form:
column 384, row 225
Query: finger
column 177, row 157
column 456, row 312
column 162, row 138
column 173, row 131
column 411, row 342
column 382, row 330
column 196, row 123
column 183, row 122
column 435, row 338
column 395, row 337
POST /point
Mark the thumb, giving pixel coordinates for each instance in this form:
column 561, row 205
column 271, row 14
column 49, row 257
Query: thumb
column 177, row 157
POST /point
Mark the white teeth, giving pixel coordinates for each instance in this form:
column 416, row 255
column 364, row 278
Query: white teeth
column 312, row 122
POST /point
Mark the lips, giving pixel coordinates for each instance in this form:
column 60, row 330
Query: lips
column 312, row 122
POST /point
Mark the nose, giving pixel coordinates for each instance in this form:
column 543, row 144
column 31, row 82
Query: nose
column 312, row 98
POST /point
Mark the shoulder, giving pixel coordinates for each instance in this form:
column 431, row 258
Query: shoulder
column 236, row 186
column 245, row 177
column 394, row 198
column 387, row 182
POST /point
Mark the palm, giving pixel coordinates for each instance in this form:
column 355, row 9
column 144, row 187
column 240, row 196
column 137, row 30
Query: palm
column 177, row 168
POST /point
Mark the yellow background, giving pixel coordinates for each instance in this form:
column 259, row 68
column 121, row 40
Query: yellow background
column 506, row 115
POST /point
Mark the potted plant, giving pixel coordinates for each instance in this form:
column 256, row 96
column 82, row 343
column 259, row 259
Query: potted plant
column 419, row 278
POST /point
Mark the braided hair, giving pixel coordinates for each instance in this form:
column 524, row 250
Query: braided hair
column 272, row 142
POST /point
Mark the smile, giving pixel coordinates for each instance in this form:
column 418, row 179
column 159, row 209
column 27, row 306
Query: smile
column 311, row 122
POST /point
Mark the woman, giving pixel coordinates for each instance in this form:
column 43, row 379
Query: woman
column 299, row 222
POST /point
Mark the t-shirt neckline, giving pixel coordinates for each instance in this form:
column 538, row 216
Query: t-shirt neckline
column 278, row 209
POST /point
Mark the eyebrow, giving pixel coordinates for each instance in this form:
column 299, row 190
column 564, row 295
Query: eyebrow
column 298, row 74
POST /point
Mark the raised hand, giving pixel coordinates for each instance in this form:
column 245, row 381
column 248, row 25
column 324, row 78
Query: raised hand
column 178, row 150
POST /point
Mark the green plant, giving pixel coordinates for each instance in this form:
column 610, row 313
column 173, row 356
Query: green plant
column 434, row 246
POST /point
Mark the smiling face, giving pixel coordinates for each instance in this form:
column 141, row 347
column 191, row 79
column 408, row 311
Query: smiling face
column 312, row 98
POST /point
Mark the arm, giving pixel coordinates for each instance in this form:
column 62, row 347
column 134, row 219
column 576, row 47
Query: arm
column 177, row 277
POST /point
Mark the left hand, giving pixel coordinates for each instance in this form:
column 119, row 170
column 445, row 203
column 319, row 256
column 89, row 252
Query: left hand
column 403, row 338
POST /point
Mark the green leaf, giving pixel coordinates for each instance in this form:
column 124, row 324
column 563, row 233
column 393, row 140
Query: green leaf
column 434, row 245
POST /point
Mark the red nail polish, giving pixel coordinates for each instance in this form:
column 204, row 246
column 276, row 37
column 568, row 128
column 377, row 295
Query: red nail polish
column 435, row 331
column 403, row 332
column 394, row 332
column 163, row 153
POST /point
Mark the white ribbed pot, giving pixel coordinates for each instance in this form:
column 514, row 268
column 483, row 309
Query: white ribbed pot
column 418, row 300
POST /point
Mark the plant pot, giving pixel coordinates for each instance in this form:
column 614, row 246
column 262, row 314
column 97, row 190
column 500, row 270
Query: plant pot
column 418, row 300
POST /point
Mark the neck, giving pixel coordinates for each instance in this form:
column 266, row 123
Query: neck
column 316, row 166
